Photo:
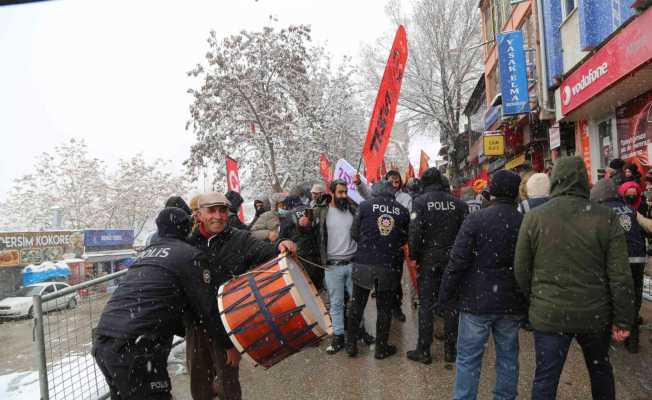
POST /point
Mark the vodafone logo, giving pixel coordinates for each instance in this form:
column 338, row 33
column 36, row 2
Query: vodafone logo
column 234, row 181
column 587, row 80
column 566, row 95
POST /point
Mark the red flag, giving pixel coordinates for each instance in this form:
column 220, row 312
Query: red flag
column 325, row 169
column 409, row 173
column 382, row 117
column 383, row 169
column 423, row 163
column 233, row 180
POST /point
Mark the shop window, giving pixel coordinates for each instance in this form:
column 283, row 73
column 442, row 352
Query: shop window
column 567, row 7
column 606, row 144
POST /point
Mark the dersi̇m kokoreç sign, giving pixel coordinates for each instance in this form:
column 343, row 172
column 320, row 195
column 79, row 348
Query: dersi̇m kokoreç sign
column 513, row 73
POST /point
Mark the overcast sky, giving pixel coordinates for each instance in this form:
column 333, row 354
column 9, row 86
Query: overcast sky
column 114, row 71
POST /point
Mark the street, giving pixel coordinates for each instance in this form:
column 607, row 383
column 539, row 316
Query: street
column 312, row 374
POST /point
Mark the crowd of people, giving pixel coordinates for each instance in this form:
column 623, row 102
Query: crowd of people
column 544, row 253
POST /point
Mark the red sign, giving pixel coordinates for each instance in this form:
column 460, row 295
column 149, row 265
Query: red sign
column 423, row 163
column 582, row 128
column 325, row 170
column 635, row 131
column 233, row 180
column 622, row 55
column 382, row 117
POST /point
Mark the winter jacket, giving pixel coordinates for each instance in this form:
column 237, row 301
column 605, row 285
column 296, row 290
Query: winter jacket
column 481, row 266
column 380, row 228
column 320, row 214
column 231, row 253
column 167, row 280
column 435, row 220
column 604, row 192
column 306, row 238
column 268, row 221
column 234, row 222
column 571, row 259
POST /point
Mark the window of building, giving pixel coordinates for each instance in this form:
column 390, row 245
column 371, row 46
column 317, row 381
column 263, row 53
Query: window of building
column 606, row 146
column 567, row 6
column 489, row 33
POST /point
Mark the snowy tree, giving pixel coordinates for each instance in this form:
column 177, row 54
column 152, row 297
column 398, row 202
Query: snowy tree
column 138, row 190
column 271, row 100
column 443, row 66
column 77, row 187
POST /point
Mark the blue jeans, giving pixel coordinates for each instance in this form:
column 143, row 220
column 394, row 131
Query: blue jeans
column 338, row 279
column 473, row 334
column 552, row 349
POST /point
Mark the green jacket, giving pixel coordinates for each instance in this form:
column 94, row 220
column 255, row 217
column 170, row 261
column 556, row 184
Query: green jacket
column 571, row 259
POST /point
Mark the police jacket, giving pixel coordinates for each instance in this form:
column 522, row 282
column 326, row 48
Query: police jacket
column 436, row 217
column 167, row 280
column 380, row 227
column 306, row 238
column 480, row 275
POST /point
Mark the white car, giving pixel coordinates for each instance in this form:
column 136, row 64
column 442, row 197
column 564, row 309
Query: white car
column 20, row 304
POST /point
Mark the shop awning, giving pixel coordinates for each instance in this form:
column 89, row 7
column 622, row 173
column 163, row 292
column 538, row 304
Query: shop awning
column 617, row 72
column 109, row 255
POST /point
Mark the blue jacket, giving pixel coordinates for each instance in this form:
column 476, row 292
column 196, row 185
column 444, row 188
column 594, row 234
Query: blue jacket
column 380, row 227
column 480, row 274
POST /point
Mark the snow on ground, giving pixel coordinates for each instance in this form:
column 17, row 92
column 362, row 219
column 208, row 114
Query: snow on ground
column 19, row 386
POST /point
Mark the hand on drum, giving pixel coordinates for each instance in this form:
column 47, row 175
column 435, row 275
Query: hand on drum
column 287, row 246
column 232, row 357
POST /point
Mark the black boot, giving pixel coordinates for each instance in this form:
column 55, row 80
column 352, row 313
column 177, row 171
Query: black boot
column 631, row 343
column 336, row 345
column 384, row 350
column 352, row 347
column 366, row 338
column 398, row 315
column 450, row 354
column 420, row 355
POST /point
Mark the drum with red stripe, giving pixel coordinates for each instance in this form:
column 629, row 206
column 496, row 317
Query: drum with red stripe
column 273, row 311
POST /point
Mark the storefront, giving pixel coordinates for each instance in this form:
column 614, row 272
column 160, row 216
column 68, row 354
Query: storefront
column 107, row 251
column 19, row 249
column 605, row 97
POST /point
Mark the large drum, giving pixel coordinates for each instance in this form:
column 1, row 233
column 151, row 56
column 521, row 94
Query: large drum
column 273, row 311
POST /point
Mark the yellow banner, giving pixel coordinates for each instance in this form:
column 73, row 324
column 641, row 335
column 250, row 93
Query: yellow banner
column 493, row 145
column 516, row 161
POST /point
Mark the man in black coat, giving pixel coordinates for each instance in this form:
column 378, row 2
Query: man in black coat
column 480, row 282
column 380, row 228
column 236, row 201
column 134, row 335
column 436, row 217
column 230, row 252
column 297, row 226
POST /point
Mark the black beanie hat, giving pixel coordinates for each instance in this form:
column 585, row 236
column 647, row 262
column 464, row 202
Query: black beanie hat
column 178, row 202
column 504, row 184
column 292, row 202
column 173, row 222
column 432, row 176
column 616, row 164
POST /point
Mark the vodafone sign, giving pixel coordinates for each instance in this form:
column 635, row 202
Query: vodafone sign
column 626, row 52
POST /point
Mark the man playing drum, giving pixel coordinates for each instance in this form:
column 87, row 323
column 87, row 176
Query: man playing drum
column 230, row 252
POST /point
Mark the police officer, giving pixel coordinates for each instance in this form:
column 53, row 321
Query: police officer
column 297, row 226
column 230, row 252
column 435, row 219
column 380, row 228
column 134, row 335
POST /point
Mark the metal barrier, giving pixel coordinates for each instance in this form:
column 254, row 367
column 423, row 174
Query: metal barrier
column 63, row 332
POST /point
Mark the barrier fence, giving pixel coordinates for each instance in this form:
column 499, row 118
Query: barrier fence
column 63, row 332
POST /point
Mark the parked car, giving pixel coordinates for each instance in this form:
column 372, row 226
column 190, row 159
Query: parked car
column 20, row 304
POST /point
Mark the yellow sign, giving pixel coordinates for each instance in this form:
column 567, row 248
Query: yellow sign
column 516, row 161
column 493, row 145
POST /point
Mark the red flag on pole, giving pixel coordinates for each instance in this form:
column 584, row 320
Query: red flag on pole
column 409, row 173
column 382, row 117
column 423, row 163
column 233, row 180
column 325, row 169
